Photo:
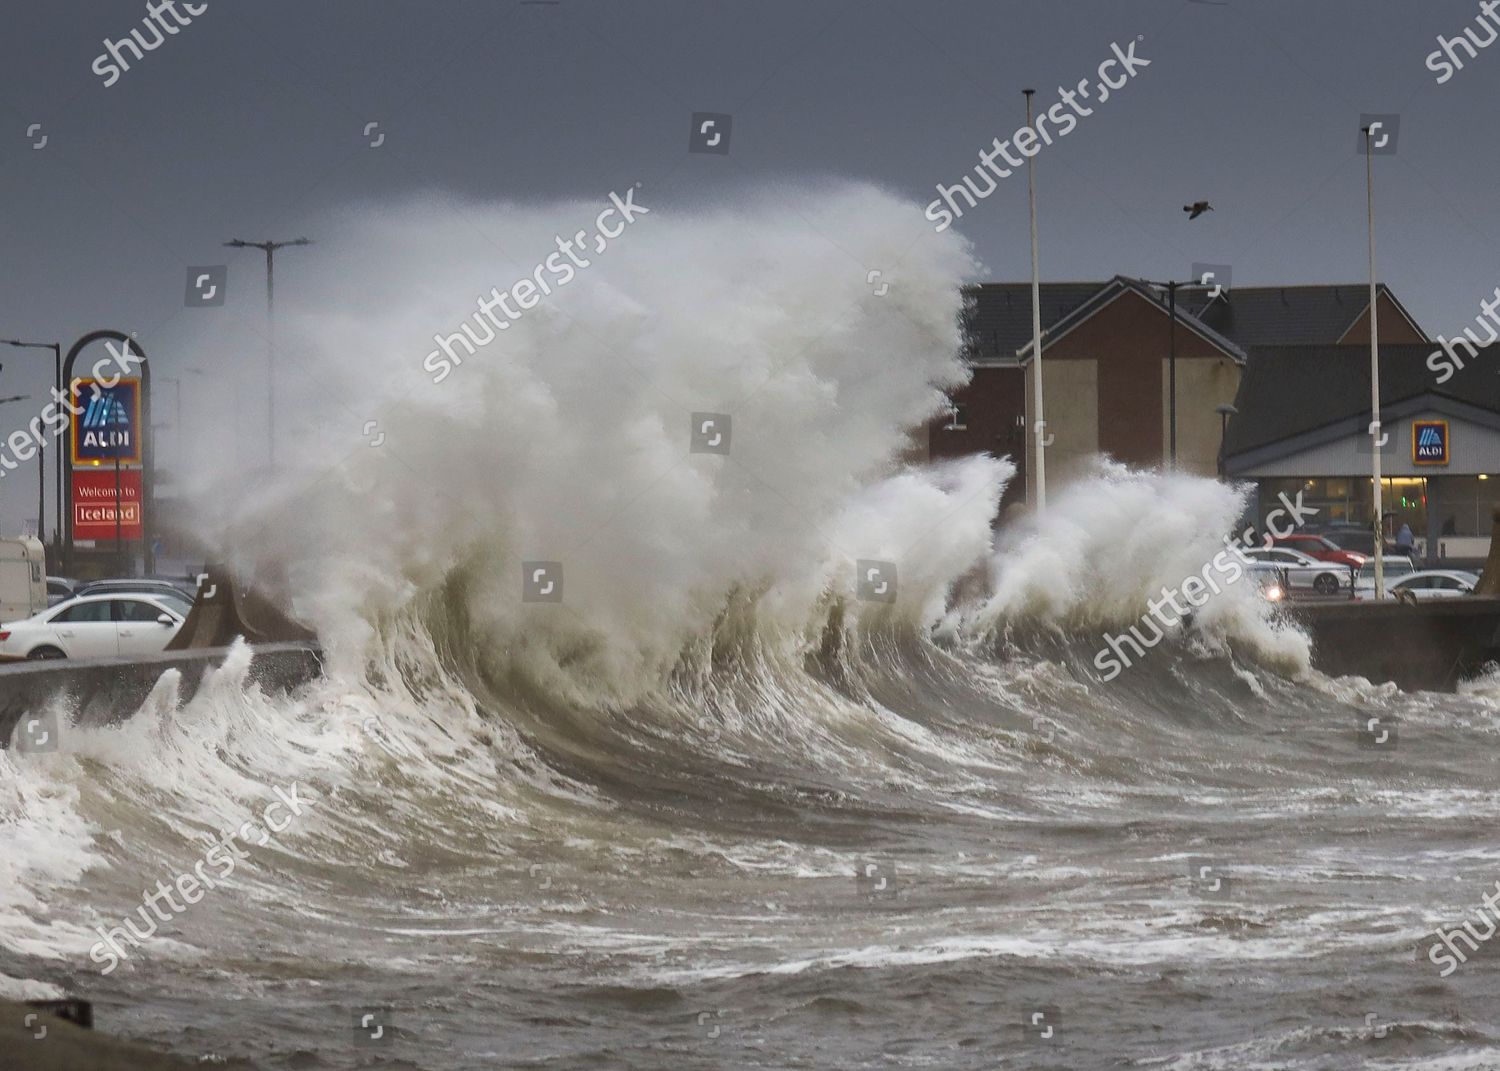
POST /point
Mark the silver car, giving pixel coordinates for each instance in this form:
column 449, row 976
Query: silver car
column 1303, row 570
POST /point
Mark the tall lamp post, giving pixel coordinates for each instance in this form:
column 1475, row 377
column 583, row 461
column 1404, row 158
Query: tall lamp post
column 177, row 418
column 1376, row 437
column 1039, row 419
column 177, row 455
column 1172, row 369
column 1171, row 287
column 269, row 248
column 41, row 454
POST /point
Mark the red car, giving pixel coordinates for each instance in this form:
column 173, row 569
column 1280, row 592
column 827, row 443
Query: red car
column 1322, row 548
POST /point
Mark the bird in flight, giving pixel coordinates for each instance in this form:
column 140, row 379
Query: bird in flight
column 1197, row 208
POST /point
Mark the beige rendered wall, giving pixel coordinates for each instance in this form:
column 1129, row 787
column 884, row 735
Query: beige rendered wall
column 1203, row 384
column 1071, row 399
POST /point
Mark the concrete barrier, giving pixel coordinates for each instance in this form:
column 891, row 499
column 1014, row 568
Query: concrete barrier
column 107, row 690
column 1428, row 645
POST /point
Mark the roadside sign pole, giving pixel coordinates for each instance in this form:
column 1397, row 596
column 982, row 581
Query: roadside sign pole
column 119, row 508
column 147, row 455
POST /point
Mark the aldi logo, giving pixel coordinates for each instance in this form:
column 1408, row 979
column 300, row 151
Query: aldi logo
column 108, row 425
column 1429, row 442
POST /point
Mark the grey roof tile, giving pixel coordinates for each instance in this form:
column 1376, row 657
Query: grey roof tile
column 1289, row 390
column 997, row 317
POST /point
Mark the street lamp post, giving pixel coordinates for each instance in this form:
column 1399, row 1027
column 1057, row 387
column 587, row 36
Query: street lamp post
column 269, row 248
column 41, row 455
column 1171, row 287
column 1172, row 370
column 191, row 370
column 180, row 454
column 176, row 417
column 1375, row 433
column 1039, row 419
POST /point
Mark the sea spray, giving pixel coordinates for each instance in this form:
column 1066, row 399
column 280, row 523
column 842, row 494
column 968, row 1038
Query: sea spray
column 566, row 440
column 1110, row 542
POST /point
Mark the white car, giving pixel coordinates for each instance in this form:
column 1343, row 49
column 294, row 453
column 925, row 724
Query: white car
column 1303, row 570
column 96, row 626
column 1268, row 577
column 1426, row 584
column 1396, row 566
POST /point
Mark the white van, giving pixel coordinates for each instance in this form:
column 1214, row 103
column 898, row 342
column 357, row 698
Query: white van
column 23, row 578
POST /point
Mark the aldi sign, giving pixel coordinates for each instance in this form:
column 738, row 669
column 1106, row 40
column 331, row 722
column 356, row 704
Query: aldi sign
column 1429, row 442
column 107, row 426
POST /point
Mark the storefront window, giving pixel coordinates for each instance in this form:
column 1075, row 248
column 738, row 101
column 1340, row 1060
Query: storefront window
column 1406, row 502
column 1335, row 499
column 1464, row 505
column 1347, row 500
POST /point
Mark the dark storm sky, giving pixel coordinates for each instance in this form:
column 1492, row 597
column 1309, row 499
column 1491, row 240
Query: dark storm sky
column 250, row 123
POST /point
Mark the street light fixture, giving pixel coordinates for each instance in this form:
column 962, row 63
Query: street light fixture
column 1225, row 412
column 269, row 249
column 41, row 456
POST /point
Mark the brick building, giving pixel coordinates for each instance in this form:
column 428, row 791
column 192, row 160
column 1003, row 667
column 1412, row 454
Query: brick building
column 1105, row 366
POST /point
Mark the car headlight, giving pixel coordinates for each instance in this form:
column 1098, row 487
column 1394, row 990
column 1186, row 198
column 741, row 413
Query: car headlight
column 1274, row 593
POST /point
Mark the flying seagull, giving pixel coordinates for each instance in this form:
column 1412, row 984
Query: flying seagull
column 1197, row 208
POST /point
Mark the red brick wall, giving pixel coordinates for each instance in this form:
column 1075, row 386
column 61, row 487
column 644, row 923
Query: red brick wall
column 1129, row 340
column 1394, row 327
column 994, row 398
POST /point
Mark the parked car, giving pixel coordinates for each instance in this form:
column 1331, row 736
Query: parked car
column 60, row 588
column 95, row 626
column 1319, row 547
column 1396, row 566
column 1269, row 577
column 1426, row 584
column 145, row 585
column 1355, row 538
column 1302, row 570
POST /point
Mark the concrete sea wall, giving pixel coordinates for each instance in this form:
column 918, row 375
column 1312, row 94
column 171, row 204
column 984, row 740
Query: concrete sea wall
column 106, row 690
